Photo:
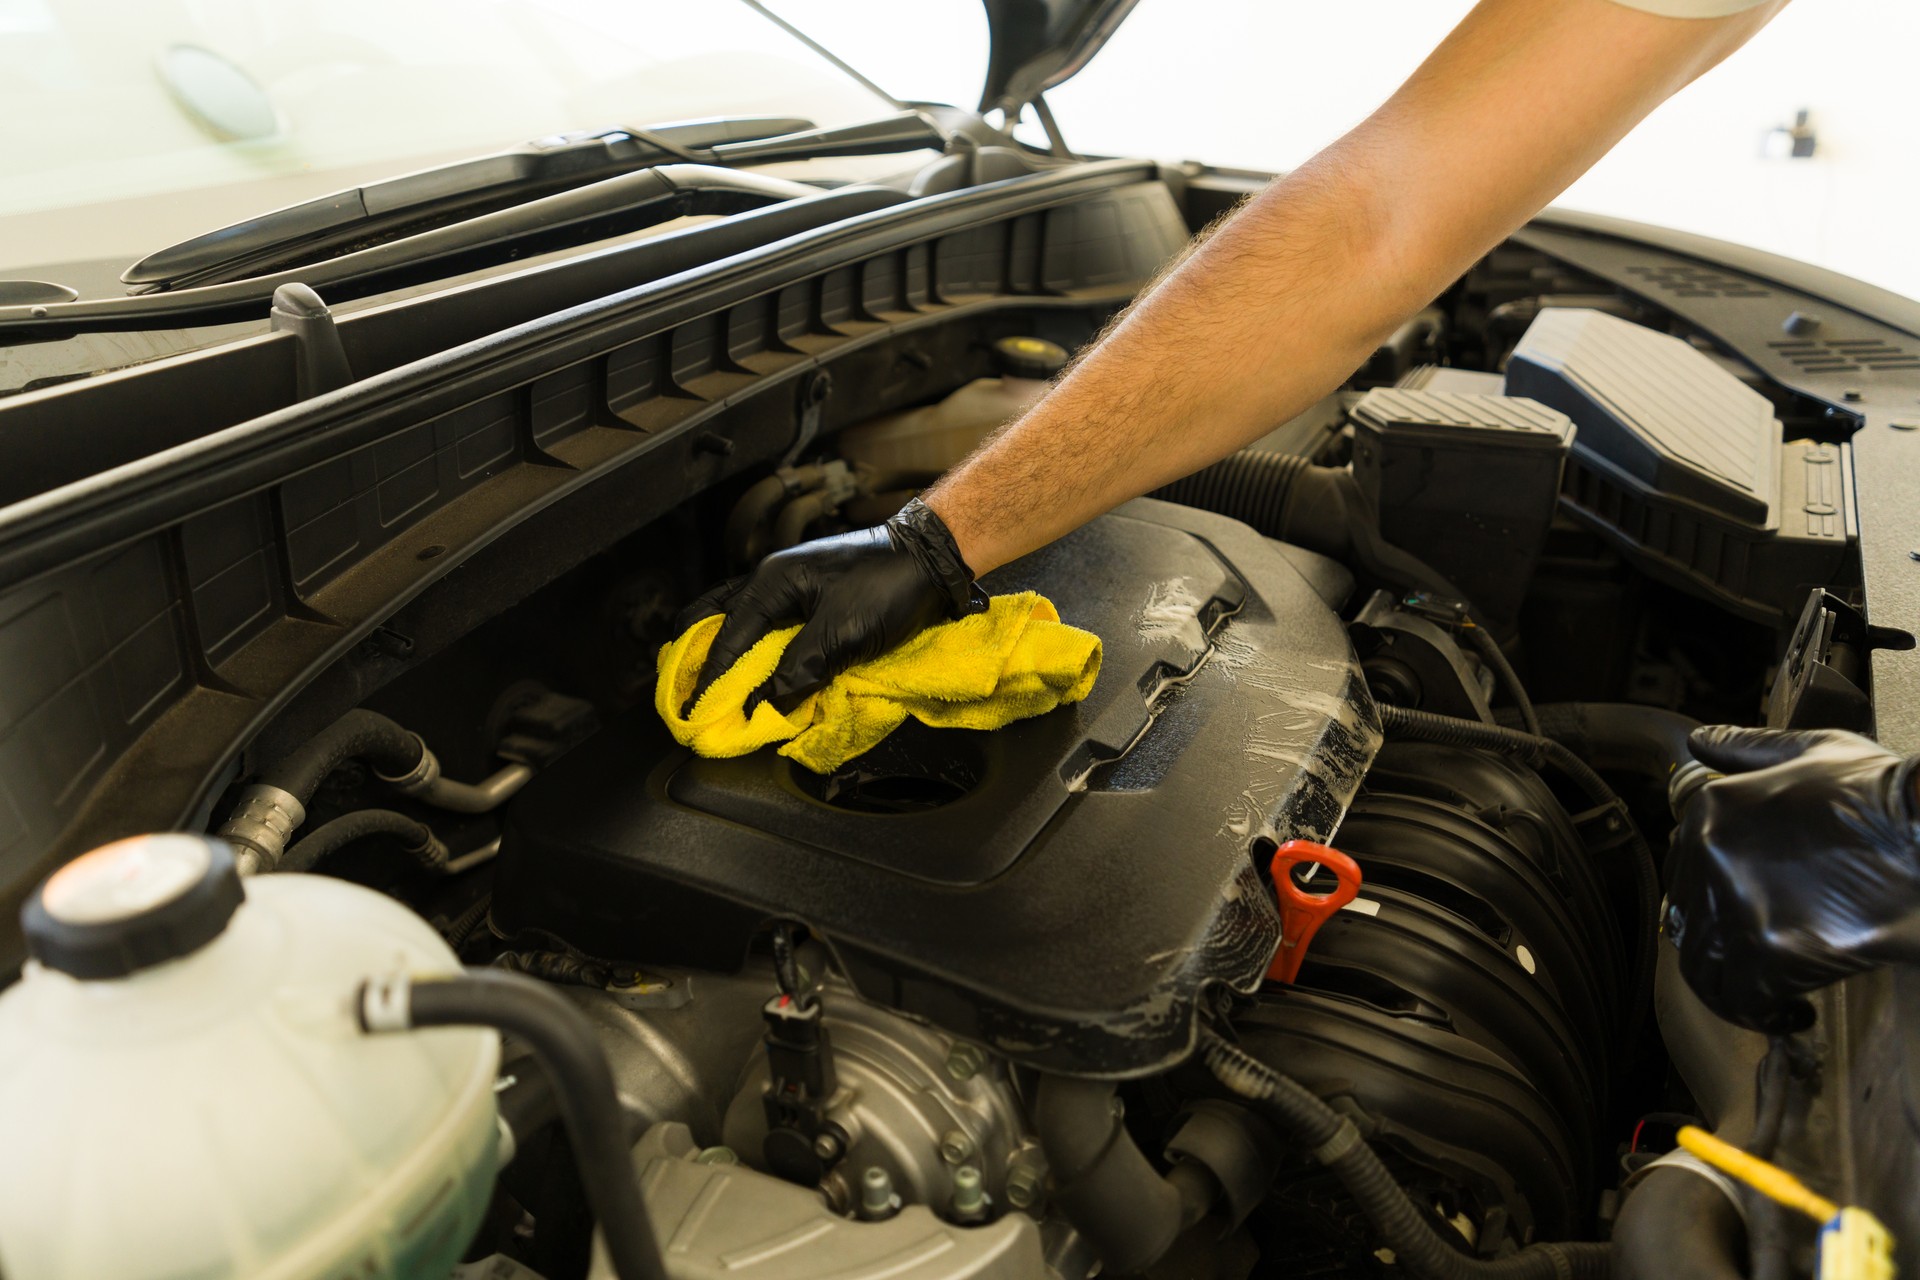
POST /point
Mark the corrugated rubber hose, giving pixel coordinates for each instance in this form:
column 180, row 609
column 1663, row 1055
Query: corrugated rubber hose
column 1402, row 1224
column 1284, row 496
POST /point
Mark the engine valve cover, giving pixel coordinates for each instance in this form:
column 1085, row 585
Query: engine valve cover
column 1064, row 889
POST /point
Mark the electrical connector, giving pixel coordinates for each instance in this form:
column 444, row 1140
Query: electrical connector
column 1855, row 1246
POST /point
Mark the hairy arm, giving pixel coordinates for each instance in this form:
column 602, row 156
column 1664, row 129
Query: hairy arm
column 1296, row 290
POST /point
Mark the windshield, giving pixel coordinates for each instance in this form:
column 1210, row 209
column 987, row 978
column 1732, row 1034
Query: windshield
column 126, row 125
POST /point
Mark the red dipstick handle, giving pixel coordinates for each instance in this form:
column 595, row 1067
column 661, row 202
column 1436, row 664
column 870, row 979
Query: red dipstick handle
column 1302, row 913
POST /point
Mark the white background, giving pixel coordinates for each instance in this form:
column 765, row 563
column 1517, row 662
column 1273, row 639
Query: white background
column 1265, row 83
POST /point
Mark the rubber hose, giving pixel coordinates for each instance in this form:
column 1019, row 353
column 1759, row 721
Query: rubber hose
column 1768, row 1251
column 790, row 526
column 1490, row 652
column 359, row 734
column 748, row 514
column 562, row 1038
column 1284, row 496
column 1623, row 737
column 1424, row 726
column 1116, row 1200
column 1772, row 1082
column 334, row 836
column 1676, row 1223
column 462, row 926
column 528, row 1104
column 1404, row 1226
column 1251, row 486
column 741, row 537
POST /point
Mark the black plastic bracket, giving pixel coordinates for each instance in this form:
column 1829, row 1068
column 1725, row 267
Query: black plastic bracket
column 321, row 364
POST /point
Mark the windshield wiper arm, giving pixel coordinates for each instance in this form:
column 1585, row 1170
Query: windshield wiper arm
column 416, row 201
column 907, row 131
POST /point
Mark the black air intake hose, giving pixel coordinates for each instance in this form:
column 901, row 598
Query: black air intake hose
column 1623, row 737
column 360, row 734
column 1256, row 487
column 1424, row 726
column 1107, row 1190
column 1676, row 1223
column 1405, row 1227
column 1284, row 496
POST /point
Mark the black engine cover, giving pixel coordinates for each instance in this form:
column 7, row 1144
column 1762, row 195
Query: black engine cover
column 1063, row 889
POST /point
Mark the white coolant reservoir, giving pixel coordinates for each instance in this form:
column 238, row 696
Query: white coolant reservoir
column 937, row 436
column 184, row 1090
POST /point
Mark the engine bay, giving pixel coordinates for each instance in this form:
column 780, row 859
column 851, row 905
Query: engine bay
column 1075, row 898
column 1004, row 1004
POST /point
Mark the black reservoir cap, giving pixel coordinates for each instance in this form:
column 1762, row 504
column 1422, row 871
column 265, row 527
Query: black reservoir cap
column 133, row 904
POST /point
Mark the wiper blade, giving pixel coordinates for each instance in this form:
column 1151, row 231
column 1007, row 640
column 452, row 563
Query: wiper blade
column 907, row 131
column 416, row 201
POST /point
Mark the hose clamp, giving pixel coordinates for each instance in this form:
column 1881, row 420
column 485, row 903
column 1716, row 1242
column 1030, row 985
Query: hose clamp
column 386, row 1004
column 425, row 772
column 261, row 824
column 1680, row 1158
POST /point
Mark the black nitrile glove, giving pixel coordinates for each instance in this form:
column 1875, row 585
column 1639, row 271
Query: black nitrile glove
column 1800, row 867
column 859, row 594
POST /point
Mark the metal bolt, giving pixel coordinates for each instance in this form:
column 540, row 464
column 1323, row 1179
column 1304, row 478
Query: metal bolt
column 964, row 1061
column 827, row 1147
column 877, row 1199
column 1024, row 1185
column 1852, row 395
column 969, row 1197
column 956, row 1147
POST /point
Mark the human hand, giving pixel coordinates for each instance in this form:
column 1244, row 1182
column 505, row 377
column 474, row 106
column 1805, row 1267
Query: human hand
column 857, row 595
column 1798, row 868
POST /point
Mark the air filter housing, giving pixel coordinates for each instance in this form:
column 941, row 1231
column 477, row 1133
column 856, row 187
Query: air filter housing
column 1466, row 482
column 1683, row 464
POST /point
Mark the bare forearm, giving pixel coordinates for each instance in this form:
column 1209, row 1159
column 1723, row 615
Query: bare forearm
column 1293, row 293
column 1249, row 331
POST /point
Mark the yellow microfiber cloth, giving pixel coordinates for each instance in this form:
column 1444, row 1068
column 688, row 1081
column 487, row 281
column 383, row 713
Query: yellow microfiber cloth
column 979, row 672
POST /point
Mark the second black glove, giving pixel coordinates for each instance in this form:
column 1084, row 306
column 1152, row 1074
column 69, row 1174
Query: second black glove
column 1798, row 868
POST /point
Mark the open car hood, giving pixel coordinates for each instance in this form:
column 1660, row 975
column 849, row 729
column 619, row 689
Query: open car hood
column 1037, row 44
